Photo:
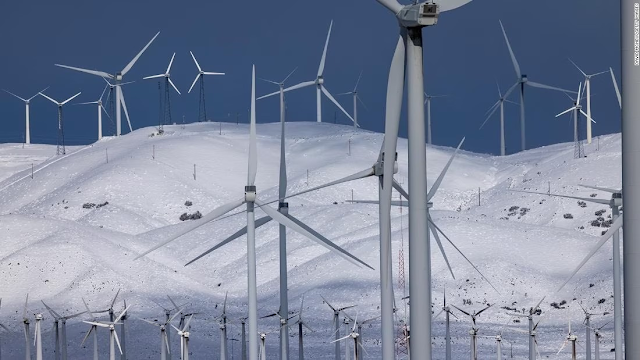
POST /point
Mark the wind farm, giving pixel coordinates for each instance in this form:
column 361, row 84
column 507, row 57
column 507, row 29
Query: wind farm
column 263, row 230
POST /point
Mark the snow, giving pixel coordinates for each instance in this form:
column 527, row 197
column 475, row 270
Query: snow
column 59, row 252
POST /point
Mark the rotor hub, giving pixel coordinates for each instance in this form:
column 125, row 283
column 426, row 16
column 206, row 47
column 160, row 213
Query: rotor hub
column 38, row 316
column 118, row 77
column 250, row 193
column 523, row 78
column 320, row 80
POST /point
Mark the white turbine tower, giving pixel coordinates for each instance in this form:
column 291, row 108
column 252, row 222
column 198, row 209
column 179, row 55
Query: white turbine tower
column 200, row 76
column 113, row 335
column 522, row 81
column 100, row 110
column 37, row 336
column 498, row 105
column 250, row 199
column 300, row 322
column 61, row 341
column 319, row 83
column 118, row 80
column 27, row 335
column 27, row 131
column 587, row 85
column 60, row 149
column 356, row 98
column 167, row 99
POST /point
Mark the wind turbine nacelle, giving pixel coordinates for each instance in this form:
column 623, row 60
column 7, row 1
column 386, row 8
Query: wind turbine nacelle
column 523, row 78
column 118, row 77
column 250, row 193
column 419, row 15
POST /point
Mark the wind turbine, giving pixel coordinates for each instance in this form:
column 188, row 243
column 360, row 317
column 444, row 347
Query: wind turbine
column 60, row 149
column 615, row 203
column 522, row 81
column 587, row 85
column 93, row 329
column 184, row 339
column 27, row 131
column 300, row 324
column 359, row 326
column 533, row 342
column 118, row 80
column 571, row 337
column 61, row 342
column 499, row 105
column 587, row 324
column 110, row 100
column 411, row 18
column 577, row 110
column 336, row 324
column 164, row 337
column 37, row 336
column 352, row 335
column 447, row 310
column 615, row 86
column 598, row 336
column 474, row 330
column 224, row 354
column 250, row 200
column 167, row 97
column 113, row 335
column 356, row 98
column 319, row 83
column 100, row 110
column 427, row 101
column 203, row 110
column 25, row 322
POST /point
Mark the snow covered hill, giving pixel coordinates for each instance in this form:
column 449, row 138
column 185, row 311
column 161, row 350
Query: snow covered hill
column 73, row 230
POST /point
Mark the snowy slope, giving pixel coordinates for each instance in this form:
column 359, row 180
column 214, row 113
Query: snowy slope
column 58, row 251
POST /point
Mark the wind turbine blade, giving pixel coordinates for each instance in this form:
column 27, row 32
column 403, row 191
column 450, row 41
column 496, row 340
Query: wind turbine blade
column 543, row 86
column 105, row 111
column 43, row 90
column 174, row 86
column 492, row 107
column 308, row 328
column 96, row 324
column 462, row 311
column 393, row 5
column 342, row 338
column 133, row 61
column 481, row 311
column 194, row 83
column 566, row 111
column 359, row 175
column 24, row 312
column 87, row 335
column 493, row 110
column 444, row 255
column 436, row 185
column 122, row 314
column 399, row 189
column 362, row 102
column 195, row 61
column 124, row 107
column 92, row 72
column 214, row 214
column 327, row 94
column 153, row 76
column 54, row 314
column 9, row 92
column 301, row 228
column 593, row 200
column 463, row 255
column 324, row 52
column 613, row 191
column 513, row 87
column 587, row 116
column 579, row 93
column 87, row 307
column 449, row 5
column 115, row 335
column 50, row 99
column 166, row 342
column 615, row 86
column 376, row 202
column 212, row 73
column 291, row 88
column 516, row 66
column 269, row 81
column 355, row 88
column 603, row 239
column 236, row 235
column 328, row 303
column 186, row 324
column 253, row 156
column 577, row 67
column 170, row 63
column 71, row 98
column 288, row 76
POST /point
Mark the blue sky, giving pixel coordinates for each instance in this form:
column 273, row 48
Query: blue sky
column 464, row 56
